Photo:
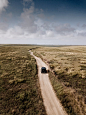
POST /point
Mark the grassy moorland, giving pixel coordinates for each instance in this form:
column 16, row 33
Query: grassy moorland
column 19, row 86
column 68, row 76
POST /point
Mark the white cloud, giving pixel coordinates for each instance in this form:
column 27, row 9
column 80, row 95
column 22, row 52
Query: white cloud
column 3, row 4
column 84, row 26
column 35, row 27
column 28, row 20
column 3, row 26
column 64, row 29
column 82, row 34
column 50, row 33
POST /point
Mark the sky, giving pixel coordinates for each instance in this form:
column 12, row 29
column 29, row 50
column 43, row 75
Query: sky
column 43, row 22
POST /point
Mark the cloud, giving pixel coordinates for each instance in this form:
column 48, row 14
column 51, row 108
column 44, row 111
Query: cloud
column 3, row 26
column 28, row 20
column 82, row 34
column 84, row 25
column 50, row 33
column 3, row 4
column 27, row 2
column 64, row 29
column 34, row 26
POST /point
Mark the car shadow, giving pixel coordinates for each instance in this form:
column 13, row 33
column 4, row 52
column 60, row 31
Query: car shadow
column 45, row 72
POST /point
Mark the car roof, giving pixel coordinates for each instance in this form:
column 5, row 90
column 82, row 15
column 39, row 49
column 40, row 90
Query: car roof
column 43, row 67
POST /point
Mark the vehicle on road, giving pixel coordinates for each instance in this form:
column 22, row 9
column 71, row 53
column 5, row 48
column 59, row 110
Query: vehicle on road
column 43, row 70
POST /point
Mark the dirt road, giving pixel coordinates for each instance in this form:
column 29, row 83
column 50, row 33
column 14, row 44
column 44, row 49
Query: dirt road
column 51, row 103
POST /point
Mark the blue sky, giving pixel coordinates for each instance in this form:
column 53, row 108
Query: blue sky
column 54, row 22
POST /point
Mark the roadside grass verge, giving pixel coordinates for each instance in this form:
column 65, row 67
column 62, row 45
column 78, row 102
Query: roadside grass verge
column 19, row 86
column 68, row 76
column 71, row 101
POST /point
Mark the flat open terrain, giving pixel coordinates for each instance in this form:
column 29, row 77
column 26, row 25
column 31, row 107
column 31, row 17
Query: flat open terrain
column 68, row 76
column 19, row 86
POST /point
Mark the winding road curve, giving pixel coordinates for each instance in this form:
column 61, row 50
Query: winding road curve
column 51, row 102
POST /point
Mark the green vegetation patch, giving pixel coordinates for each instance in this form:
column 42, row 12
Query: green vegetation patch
column 19, row 86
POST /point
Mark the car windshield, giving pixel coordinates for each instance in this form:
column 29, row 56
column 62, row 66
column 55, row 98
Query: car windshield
column 43, row 68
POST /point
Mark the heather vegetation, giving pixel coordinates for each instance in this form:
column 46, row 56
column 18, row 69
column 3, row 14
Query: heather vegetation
column 68, row 75
column 19, row 86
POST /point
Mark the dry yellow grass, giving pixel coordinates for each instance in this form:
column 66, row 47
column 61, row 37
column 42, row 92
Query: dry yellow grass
column 72, row 59
column 69, row 66
column 19, row 87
